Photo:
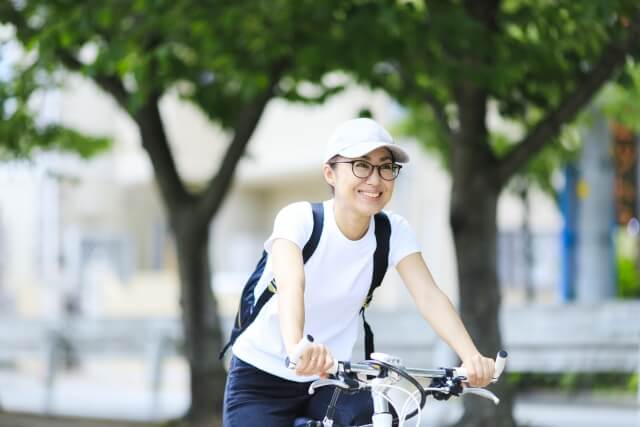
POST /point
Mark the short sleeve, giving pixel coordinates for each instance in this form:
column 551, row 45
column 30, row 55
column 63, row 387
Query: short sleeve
column 403, row 240
column 294, row 223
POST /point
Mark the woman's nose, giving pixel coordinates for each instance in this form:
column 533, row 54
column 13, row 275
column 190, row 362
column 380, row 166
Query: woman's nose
column 374, row 178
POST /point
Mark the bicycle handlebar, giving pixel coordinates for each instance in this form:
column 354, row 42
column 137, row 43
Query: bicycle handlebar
column 382, row 375
column 292, row 360
column 500, row 363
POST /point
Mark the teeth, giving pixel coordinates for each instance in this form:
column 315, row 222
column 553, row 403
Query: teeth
column 371, row 194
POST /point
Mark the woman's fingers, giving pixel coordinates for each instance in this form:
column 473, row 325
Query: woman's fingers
column 480, row 370
column 489, row 369
column 307, row 360
column 328, row 362
column 315, row 360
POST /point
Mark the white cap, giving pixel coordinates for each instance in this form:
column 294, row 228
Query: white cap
column 357, row 137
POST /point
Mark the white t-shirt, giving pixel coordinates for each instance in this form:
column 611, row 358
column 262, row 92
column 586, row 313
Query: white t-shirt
column 337, row 278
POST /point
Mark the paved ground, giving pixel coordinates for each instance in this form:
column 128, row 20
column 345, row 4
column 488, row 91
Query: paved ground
column 531, row 415
column 539, row 414
column 34, row 420
column 532, row 411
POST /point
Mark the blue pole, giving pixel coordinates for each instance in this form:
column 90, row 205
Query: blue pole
column 569, row 208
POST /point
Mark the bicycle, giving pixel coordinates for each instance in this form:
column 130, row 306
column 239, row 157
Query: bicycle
column 389, row 382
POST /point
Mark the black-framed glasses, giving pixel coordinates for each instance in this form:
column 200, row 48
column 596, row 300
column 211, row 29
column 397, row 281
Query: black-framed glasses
column 363, row 169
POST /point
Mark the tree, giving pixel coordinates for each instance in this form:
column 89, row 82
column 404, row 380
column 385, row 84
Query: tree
column 229, row 58
column 539, row 63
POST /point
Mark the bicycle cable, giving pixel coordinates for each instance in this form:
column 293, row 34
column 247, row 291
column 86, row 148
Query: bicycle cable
column 411, row 399
column 406, row 376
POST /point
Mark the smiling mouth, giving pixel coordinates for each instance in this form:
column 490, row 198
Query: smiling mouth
column 371, row 195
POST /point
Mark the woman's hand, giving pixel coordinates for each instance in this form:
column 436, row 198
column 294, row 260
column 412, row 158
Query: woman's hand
column 480, row 370
column 315, row 360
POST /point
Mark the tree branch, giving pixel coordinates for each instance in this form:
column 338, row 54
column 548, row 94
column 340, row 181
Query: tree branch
column 245, row 124
column 152, row 133
column 440, row 113
column 614, row 56
column 429, row 98
column 485, row 11
column 9, row 13
column 156, row 143
column 114, row 86
column 110, row 84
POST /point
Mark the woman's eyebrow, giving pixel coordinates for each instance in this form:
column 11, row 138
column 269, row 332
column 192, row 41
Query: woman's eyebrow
column 367, row 157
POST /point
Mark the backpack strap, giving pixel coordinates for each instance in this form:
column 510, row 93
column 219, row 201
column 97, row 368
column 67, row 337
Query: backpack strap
column 246, row 301
column 317, row 209
column 380, row 265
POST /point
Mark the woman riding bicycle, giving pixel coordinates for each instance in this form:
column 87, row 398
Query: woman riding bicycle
column 324, row 295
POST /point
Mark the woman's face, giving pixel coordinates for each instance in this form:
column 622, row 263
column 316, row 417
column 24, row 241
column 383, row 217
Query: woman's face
column 365, row 196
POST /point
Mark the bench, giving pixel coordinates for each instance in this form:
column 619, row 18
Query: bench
column 539, row 338
column 59, row 342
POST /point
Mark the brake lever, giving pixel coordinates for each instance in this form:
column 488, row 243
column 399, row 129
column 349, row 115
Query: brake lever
column 326, row 382
column 482, row 393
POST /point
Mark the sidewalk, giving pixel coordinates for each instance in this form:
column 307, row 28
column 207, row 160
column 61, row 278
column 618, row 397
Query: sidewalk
column 528, row 413
column 554, row 409
column 18, row 419
column 127, row 400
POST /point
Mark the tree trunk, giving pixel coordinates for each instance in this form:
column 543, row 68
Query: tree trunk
column 190, row 215
column 201, row 324
column 473, row 221
column 474, row 200
column 190, row 226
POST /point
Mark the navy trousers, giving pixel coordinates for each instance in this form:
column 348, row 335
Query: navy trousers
column 256, row 398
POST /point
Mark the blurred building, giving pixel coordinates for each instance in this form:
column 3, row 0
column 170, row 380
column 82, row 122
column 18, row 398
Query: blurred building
column 92, row 236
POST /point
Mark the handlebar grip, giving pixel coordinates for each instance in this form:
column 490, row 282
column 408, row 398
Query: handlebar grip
column 292, row 359
column 501, row 361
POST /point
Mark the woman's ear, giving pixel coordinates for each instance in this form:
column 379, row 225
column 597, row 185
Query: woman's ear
column 329, row 174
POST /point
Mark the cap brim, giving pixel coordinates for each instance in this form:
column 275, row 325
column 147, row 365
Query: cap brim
column 359, row 150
